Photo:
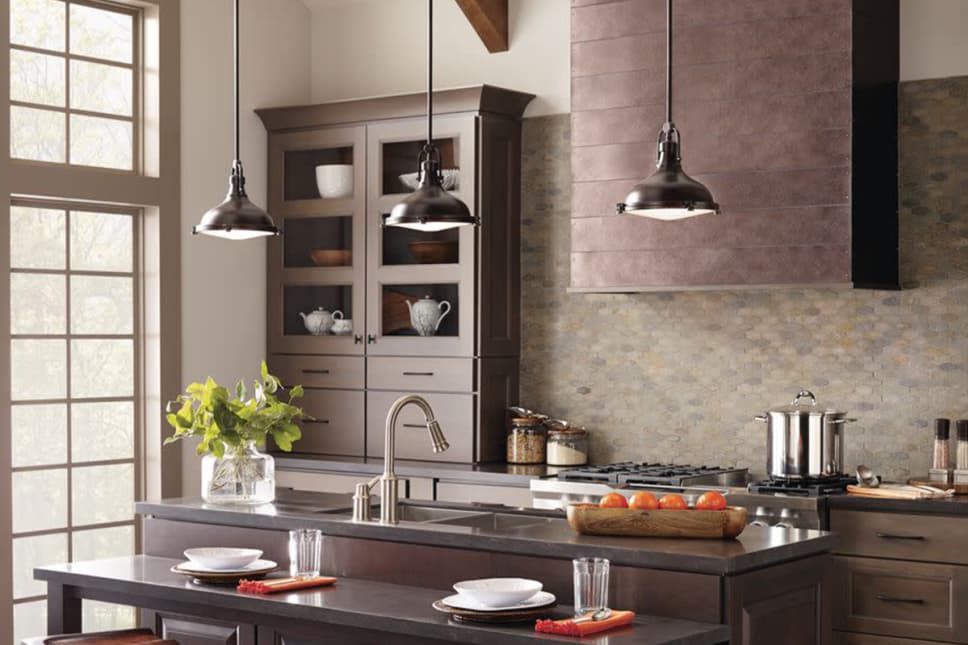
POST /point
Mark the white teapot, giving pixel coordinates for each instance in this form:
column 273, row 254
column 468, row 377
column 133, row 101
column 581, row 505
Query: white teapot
column 319, row 322
column 426, row 315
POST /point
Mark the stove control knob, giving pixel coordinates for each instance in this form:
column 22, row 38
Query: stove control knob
column 783, row 525
column 758, row 523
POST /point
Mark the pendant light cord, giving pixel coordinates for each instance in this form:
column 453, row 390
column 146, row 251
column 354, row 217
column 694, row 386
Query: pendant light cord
column 238, row 156
column 430, row 72
column 668, row 61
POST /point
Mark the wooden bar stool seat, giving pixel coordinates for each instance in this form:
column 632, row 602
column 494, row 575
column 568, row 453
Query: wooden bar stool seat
column 125, row 637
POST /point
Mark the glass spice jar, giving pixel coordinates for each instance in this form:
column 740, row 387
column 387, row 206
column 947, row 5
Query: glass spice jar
column 567, row 447
column 526, row 441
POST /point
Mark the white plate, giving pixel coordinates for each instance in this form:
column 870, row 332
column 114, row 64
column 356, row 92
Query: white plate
column 258, row 565
column 458, row 601
column 222, row 558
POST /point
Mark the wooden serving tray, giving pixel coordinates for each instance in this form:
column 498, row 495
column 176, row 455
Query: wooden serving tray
column 590, row 519
column 959, row 489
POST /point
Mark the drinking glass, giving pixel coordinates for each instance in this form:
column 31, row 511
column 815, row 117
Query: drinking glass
column 591, row 584
column 305, row 552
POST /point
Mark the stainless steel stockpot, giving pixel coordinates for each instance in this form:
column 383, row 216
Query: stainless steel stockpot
column 804, row 440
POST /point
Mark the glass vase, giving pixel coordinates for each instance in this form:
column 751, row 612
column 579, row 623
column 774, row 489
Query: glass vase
column 243, row 476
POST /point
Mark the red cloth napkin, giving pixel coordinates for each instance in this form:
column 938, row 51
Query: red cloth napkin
column 282, row 584
column 568, row 627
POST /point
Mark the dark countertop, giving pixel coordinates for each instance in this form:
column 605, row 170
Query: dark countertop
column 496, row 474
column 548, row 536
column 378, row 606
column 957, row 505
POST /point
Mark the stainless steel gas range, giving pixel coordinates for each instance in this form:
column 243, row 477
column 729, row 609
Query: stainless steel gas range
column 784, row 504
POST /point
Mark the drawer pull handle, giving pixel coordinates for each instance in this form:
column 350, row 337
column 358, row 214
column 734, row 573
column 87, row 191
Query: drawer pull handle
column 414, row 425
column 418, row 373
column 305, row 371
column 317, row 421
column 909, row 601
column 891, row 536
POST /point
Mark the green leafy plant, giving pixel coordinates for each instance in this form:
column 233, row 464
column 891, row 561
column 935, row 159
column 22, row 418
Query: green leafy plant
column 227, row 424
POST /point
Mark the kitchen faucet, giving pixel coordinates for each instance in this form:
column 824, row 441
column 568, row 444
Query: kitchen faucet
column 389, row 493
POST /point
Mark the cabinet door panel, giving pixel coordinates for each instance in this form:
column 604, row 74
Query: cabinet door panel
column 194, row 630
column 337, row 428
column 455, row 412
column 901, row 536
column 395, row 270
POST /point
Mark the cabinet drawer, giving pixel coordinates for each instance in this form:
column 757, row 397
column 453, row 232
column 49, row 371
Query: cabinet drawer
column 904, row 599
column 420, row 374
column 319, row 371
column 338, row 428
column 469, row 493
column 923, row 538
column 455, row 412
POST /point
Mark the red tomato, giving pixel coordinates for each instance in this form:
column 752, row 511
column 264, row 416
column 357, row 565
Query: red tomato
column 673, row 503
column 644, row 500
column 711, row 501
column 614, row 500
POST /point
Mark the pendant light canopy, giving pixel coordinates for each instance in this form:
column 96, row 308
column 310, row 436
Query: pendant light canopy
column 430, row 207
column 236, row 218
column 669, row 194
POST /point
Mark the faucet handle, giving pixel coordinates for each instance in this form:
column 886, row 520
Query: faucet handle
column 361, row 500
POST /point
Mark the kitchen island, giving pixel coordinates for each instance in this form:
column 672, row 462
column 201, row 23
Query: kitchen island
column 766, row 586
column 352, row 611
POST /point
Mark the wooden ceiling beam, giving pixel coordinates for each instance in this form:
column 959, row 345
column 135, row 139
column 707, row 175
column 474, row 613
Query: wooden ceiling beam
column 489, row 18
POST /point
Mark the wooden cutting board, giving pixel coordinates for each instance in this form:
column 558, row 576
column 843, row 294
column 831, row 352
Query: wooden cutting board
column 959, row 489
column 589, row 519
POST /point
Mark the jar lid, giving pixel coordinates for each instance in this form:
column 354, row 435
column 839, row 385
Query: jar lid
column 576, row 431
column 942, row 428
column 526, row 421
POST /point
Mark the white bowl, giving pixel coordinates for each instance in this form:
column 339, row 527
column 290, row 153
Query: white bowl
column 498, row 592
column 334, row 180
column 451, row 178
column 223, row 557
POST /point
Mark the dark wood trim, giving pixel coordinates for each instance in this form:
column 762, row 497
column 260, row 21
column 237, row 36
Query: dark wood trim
column 489, row 18
column 478, row 98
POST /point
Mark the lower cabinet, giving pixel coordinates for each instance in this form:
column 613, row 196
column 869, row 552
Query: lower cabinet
column 195, row 630
column 848, row 638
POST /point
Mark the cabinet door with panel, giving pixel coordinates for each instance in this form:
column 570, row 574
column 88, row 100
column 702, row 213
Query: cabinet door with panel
column 197, row 630
column 405, row 266
column 318, row 198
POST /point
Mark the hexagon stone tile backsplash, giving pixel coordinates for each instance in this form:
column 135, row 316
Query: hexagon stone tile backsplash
column 679, row 376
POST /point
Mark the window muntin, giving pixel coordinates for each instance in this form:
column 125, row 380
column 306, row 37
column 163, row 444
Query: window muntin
column 75, row 408
column 74, row 83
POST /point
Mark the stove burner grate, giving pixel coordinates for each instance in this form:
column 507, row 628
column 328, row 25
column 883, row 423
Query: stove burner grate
column 630, row 472
column 812, row 487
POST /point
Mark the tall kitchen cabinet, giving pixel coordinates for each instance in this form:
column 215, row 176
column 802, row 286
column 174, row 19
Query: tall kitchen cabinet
column 334, row 254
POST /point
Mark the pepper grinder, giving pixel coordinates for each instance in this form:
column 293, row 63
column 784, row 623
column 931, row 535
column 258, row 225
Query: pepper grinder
column 961, row 452
column 941, row 463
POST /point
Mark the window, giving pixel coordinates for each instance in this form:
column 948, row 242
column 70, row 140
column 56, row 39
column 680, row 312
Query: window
column 74, row 409
column 73, row 83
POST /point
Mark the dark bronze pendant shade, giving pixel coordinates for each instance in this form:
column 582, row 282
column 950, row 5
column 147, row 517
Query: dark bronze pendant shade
column 430, row 207
column 669, row 194
column 236, row 218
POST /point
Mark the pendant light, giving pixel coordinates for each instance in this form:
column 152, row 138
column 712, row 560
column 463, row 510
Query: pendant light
column 236, row 218
column 669, row 194
column 430, row 207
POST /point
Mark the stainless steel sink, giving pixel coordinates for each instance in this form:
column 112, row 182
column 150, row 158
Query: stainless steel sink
column 414, row 513
column 496, row 521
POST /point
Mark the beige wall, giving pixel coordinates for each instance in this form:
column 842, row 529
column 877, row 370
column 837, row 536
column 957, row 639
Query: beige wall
column 934, row 39
column 223, row 283
column 376, row 47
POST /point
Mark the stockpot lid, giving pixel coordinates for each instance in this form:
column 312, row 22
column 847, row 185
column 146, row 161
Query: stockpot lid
column 805, row 403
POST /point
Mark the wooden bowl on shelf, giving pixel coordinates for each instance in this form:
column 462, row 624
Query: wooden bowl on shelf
column 435, row 251
column 332, row 257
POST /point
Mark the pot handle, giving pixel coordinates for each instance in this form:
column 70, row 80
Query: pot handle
column 842, row 420
column 804, row 394
column 761, row 417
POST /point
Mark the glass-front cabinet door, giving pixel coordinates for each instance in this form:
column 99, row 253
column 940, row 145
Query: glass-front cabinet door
column 317, row 266
column 420, row 286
